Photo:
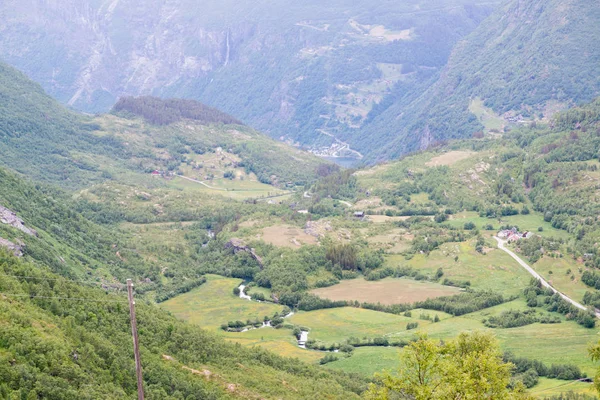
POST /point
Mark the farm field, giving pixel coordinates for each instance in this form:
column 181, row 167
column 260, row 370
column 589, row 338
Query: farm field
column 449, row 158
column 554, row 387
column 386, row 291
column 280, row 341
column 488, row 118
column 286, row 236
column 368, row 361
column 566, row 342
column 214, row 303
column 530, row 222
column 235, row 189
column 496, row 270
column 335, row 325
column 554, row 270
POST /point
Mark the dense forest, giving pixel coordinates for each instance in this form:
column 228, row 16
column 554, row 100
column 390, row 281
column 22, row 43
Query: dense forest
column 164, row 112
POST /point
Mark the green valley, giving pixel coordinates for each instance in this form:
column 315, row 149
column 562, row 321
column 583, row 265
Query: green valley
column 459, row 260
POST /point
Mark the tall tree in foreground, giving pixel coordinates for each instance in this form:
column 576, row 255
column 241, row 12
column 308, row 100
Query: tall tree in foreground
column 594, row 352
column 469, row 367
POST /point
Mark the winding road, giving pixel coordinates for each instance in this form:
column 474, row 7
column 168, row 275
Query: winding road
column 545, row 283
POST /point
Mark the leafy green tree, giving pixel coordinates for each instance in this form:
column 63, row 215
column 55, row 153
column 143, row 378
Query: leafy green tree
column 469, row 367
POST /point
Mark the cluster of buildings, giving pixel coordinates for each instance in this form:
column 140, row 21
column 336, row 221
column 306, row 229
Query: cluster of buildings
column 513, row 235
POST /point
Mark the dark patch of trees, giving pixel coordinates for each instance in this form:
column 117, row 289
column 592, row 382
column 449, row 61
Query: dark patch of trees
column 167, row 111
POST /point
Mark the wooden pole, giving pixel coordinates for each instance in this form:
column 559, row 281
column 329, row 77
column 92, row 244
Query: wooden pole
column 136, row 348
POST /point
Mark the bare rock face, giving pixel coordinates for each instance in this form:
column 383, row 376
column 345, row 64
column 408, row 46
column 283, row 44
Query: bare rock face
column 16, row 249
column 239, row 245
column 10, row 218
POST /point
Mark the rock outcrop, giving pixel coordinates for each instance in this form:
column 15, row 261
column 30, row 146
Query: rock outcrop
column 239, row 245
column 10, row 218
column 16, row 249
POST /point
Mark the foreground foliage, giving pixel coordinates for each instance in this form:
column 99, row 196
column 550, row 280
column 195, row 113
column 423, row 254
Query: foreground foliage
column 469, row 367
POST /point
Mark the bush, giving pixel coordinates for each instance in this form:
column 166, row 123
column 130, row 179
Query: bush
column 412, row 325
column 469, row 226
column 327, row 359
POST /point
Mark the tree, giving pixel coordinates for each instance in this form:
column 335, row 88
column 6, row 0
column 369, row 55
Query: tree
column 469, row 367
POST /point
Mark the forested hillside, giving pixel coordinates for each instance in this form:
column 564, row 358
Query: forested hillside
column 55, row 348
column 526, row 61
column 45, row 141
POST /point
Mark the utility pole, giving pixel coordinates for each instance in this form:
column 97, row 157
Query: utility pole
column 136, row 347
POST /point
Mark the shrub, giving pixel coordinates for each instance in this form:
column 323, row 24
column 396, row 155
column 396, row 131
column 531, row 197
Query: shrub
column 412, row 325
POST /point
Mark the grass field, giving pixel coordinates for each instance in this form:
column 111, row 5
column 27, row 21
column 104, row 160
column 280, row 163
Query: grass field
column 287, row 236
column 214, row 303
column 530, row 222
column 335, row 325
column 496, row 270
column 560, row 279
column 449, row 158
column 368, row 361
column 566, row 342
column 234, row 189
column 280, row 341
column 552, row 387
column 385, row 291
column 486, row 116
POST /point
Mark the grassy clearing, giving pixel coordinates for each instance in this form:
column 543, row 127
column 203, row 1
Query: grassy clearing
column 367, row 361
column 566, row 342
column 551, row 387
column 280, row 341
column 496, row 270
column 287, row 236
column 530, row 222
column 560, row 279
column 385, row 291
column 235, row 189
column 449, row 158
column 214, row 303
column 338, row 324
column 486, row 116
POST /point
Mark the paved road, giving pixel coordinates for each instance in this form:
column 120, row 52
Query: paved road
column 501, row 246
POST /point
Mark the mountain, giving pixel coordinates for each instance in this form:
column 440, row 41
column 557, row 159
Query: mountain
column 525, row 62
column 44, row 140
column 305, row 72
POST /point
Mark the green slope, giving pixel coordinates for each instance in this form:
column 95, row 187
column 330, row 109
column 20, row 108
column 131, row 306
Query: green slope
column 59, row 349
column 45, row 141
column 526, row 61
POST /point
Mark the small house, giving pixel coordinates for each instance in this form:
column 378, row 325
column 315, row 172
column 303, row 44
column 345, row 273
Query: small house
column 513, row 237
column 359, row 214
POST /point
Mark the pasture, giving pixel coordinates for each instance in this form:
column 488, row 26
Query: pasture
column 385, row 291
column 286, row 236
column 335, row 325
column 214, row 303
column 280, row 341
column 495, row 270
column 449, row 158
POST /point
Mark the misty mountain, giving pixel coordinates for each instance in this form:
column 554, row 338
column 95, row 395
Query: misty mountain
column 527, row 61
column 303, row 72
